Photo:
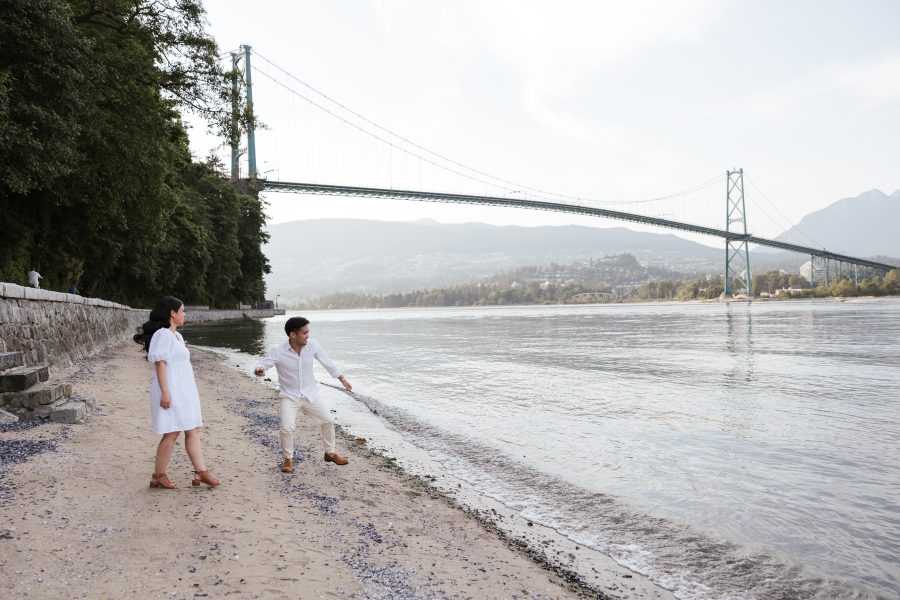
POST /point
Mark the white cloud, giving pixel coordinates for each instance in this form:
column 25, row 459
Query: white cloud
column 559, row 48
column 874, row 84
column 869, row 85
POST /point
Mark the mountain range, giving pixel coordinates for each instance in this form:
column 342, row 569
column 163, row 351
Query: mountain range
column 864, row 226
column 315, row 257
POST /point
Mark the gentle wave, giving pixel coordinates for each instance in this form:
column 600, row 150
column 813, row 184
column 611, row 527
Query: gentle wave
column 677, row 557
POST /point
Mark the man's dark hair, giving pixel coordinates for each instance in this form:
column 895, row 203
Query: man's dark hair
column 295, row 324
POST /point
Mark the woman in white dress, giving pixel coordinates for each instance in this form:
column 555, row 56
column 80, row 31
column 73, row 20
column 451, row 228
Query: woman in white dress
column 174, row 401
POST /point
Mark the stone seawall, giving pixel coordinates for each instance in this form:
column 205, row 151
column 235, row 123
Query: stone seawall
column 202, row 316
column 60, row 329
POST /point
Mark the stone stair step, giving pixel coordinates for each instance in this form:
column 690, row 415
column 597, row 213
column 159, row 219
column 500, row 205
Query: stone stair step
column 35, row 400
column 7, row 417
column 10, row 360
column 22, row 378
column 71, row 411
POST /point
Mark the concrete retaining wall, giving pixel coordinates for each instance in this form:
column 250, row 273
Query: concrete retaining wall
column 60, row 329
column 202, row 316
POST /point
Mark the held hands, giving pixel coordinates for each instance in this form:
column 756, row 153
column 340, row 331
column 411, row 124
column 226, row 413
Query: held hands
column 259, row 372
column 165, row 400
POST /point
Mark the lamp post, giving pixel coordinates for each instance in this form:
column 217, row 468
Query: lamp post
column 277, row 296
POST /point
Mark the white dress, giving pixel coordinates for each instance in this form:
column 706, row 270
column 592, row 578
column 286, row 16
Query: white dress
column 184, row 412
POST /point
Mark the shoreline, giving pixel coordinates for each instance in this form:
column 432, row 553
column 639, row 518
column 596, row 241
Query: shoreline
column 629, row 303
column 78, row 519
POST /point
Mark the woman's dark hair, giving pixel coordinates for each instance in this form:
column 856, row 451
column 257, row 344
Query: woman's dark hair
column 295, row 324
column 159, row 318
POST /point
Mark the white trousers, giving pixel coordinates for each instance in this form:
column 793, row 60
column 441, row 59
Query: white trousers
column 318, row 411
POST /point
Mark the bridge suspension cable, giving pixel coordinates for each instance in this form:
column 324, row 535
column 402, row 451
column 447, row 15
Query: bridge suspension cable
column 224, row 55
column 517, row 186
column 785, row 224
column 374, row 135
column 492, row 180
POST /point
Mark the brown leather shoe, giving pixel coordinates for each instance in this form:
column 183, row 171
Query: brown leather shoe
column 287, row 466
column 336, row 458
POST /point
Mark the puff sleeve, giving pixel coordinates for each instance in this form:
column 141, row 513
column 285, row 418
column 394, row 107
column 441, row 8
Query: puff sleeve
column 161, row 346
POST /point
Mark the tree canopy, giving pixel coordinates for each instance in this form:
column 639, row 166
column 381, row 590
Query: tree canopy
column 98, row 184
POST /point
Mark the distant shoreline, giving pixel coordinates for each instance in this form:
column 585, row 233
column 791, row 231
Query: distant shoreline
column 666, row 301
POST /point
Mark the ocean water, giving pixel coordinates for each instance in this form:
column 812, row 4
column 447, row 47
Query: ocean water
column 723, row 450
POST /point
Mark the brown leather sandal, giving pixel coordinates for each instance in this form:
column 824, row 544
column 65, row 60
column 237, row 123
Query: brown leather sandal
column 204, row 477
column 161, row 480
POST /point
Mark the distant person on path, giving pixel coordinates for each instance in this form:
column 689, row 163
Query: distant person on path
column 74, row 289
column 174, row 400
column 34, row 278
column 293, row 360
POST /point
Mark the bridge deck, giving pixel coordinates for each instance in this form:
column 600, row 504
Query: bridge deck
column 338, row 190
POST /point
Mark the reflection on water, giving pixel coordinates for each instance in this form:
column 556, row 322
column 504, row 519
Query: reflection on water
column 245, row 335
column 739, row 345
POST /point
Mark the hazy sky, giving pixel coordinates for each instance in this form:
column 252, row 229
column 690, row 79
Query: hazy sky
column 610, row 101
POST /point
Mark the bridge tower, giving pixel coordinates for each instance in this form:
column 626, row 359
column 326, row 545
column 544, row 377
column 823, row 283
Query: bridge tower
column 251, row 131
column 235, row 134
column 235, row 115
column 737, row 251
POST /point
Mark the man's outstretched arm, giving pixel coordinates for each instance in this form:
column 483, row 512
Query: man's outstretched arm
column 266, row 363
column 332, row 369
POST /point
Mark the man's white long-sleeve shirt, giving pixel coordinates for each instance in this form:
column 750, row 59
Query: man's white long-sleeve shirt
column 295, row 369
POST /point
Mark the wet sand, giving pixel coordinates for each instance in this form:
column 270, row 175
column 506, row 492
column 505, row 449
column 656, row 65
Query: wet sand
column 77, row 519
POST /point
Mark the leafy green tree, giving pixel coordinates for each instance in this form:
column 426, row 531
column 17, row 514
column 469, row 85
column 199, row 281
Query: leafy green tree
column 41, row 106
column 891, row 282
column 41, row 114
column 251, row 237
column 98, row 183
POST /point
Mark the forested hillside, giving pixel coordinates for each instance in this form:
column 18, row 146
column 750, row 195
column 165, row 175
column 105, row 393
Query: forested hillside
column 98, row 185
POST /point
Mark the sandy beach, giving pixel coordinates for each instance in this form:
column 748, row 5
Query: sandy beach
column 77, row 518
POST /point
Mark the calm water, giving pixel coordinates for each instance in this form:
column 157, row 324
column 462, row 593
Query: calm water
column 725, row 450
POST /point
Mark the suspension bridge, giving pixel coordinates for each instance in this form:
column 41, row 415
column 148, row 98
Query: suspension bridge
column 825, row 266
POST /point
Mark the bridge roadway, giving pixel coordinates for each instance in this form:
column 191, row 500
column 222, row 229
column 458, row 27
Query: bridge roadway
column 339, row 190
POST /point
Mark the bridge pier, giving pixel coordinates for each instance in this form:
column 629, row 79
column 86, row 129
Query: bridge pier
column 825, row 271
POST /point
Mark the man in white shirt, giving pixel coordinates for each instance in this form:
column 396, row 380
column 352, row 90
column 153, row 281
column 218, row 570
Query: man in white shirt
column 34, row 278
column 293, row 360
